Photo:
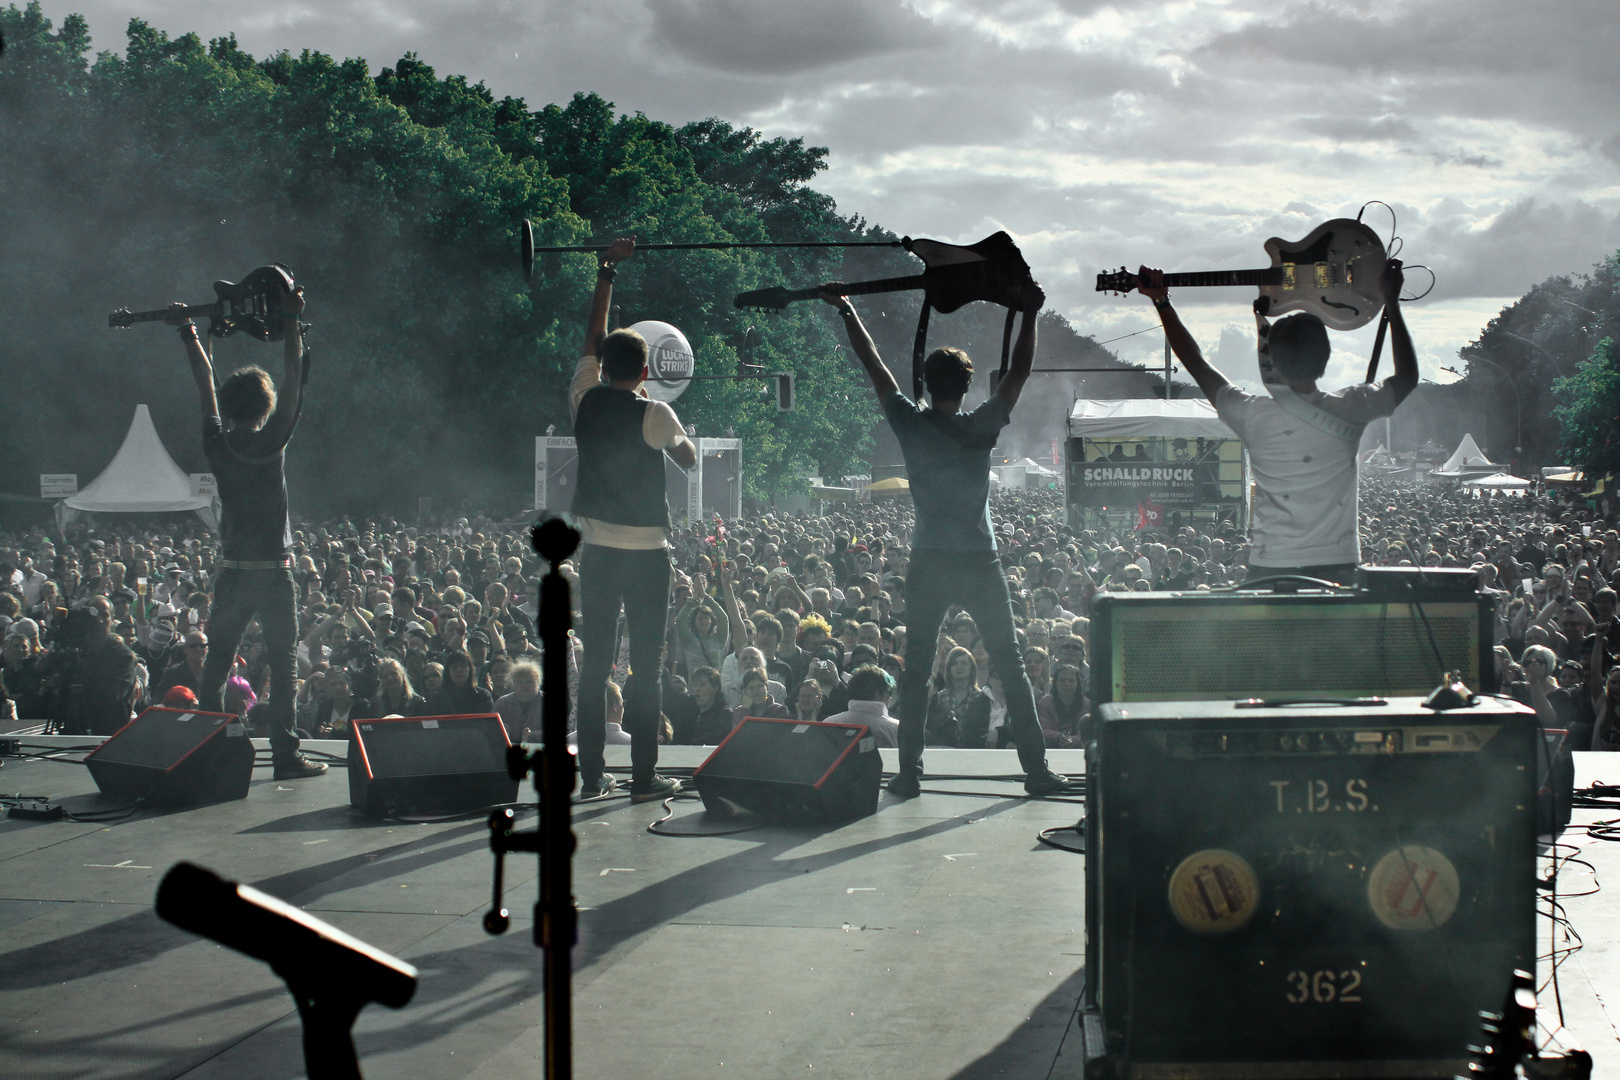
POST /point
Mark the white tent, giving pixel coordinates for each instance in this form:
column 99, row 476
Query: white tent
column 1032, row 467
column 1178, row 418
column 142, row 478
column 1467, row 460
column 1498, row 482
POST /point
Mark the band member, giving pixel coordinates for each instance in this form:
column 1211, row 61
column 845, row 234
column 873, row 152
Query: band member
column 622, row 516
column 953, row 551
column 1302, row 442
column 247, row 424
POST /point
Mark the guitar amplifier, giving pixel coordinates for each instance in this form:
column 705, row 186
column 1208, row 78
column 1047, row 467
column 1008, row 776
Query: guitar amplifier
column 1378, row 641
column 1305, row 892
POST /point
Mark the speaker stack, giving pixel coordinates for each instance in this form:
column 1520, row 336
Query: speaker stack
column 788, row 771
column 1295, row 867
column 429, row 764
column 175, row 757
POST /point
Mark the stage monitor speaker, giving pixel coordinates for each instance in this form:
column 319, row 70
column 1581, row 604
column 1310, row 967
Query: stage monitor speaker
column 175, row 757
column 1209, row 646
column 789, row 771
column 1309, row 891
column 429, row 764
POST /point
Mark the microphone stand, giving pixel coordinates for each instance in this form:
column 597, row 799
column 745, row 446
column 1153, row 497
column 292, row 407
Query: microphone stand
column 556, row 920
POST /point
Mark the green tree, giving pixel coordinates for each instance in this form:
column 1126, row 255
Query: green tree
column 134, row 180
column 1589, row 411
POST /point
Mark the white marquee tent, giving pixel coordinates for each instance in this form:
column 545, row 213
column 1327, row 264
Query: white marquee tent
column 1467, row 460
column 141, row 479
column 1498, row 482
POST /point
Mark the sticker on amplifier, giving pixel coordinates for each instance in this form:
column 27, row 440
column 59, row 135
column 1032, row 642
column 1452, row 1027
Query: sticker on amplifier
column 1413, row 888
column 1214, row 891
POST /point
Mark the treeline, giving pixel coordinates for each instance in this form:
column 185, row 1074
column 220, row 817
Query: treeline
column 1541, row 377
column 139, row 179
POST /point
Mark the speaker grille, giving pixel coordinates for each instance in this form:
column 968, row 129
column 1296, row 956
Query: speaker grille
column 1206, row 652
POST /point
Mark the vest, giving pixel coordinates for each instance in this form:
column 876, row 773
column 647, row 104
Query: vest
column 621, row 478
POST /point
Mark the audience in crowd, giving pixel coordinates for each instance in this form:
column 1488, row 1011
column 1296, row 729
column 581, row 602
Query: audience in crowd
column 778, row 615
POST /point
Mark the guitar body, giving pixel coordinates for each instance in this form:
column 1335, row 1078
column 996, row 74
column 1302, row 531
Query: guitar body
column 993, row 269
column 242, row 306
column 953, row 275
column 1333, row 273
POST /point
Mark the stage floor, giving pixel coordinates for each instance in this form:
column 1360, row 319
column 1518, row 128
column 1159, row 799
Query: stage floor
column 937, row 938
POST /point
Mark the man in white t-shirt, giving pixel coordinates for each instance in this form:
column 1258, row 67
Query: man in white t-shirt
column 1302, row 442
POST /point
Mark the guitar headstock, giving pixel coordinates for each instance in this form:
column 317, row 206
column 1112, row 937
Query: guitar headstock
column 775, row 298
column 1120, row 282
column 121, row 319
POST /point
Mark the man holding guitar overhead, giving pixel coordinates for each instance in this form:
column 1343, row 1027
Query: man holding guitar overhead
column 1302, row 442
column 246, row 428
column 953, row 551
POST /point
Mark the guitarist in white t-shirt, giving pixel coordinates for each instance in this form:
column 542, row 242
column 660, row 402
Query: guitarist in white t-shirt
column 1302, row 442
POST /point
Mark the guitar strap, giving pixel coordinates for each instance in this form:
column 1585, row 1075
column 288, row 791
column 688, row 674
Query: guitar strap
column 920, row 346
column 917, row 349
column 1316, row 417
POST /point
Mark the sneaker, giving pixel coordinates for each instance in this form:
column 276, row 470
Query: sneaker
column 604, row 786
column 1048, row 782
column 659, row 787
column 905, row 785
column 298, row 767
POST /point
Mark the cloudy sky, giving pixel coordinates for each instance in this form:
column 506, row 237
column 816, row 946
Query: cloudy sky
column 1180, row 134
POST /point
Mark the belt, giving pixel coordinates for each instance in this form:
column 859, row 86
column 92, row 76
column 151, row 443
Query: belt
column 255, row 564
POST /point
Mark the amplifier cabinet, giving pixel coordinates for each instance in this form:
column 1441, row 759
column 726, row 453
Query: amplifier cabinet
column 1205, row 646
column 1306, row 891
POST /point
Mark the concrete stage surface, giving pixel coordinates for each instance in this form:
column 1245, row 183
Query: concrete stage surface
column 935, row 939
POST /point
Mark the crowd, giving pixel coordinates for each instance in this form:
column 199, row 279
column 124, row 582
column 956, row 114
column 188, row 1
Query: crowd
column 779, row 615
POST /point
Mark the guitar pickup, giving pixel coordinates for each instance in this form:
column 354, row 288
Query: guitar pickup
column 1288, row 279
column 1322, row 275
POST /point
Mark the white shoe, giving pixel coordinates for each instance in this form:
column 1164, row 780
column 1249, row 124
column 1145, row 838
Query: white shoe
column 616, row 735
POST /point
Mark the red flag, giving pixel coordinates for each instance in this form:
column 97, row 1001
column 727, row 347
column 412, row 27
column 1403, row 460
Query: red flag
column 1149, row 515
column 1141, row 518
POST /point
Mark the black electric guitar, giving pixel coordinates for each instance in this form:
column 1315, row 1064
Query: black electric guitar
column 242, row 306
column 1334, row 273
column 953, row 275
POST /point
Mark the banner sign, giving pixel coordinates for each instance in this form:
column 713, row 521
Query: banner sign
column 1155, row 473
column 58, row 485
column 202, row 483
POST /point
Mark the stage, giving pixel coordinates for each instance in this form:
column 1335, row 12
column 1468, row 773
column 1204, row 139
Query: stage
column 938, row 938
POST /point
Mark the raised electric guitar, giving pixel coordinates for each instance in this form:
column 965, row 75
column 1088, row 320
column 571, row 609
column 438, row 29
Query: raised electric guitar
column 1334, row 273
column 242, row 306
column 953, row 275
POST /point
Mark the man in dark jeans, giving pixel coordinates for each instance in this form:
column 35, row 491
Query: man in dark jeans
column 953, row 551
column 623, row 519
column 246, row 428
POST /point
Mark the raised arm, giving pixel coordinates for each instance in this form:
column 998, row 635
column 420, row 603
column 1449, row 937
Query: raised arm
column 733, row 610
column 883, row 383
column 602, row 299
column 1150, row 283
column 1404, row 379
column 288, row 308
column 1023, row 353
column 201, row 370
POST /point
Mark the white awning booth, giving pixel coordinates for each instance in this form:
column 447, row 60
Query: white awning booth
column 1177, row 455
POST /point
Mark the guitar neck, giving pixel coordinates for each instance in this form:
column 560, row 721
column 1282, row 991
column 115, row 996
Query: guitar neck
column 863, row 288
column 195, row 311
column 1271, row 275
